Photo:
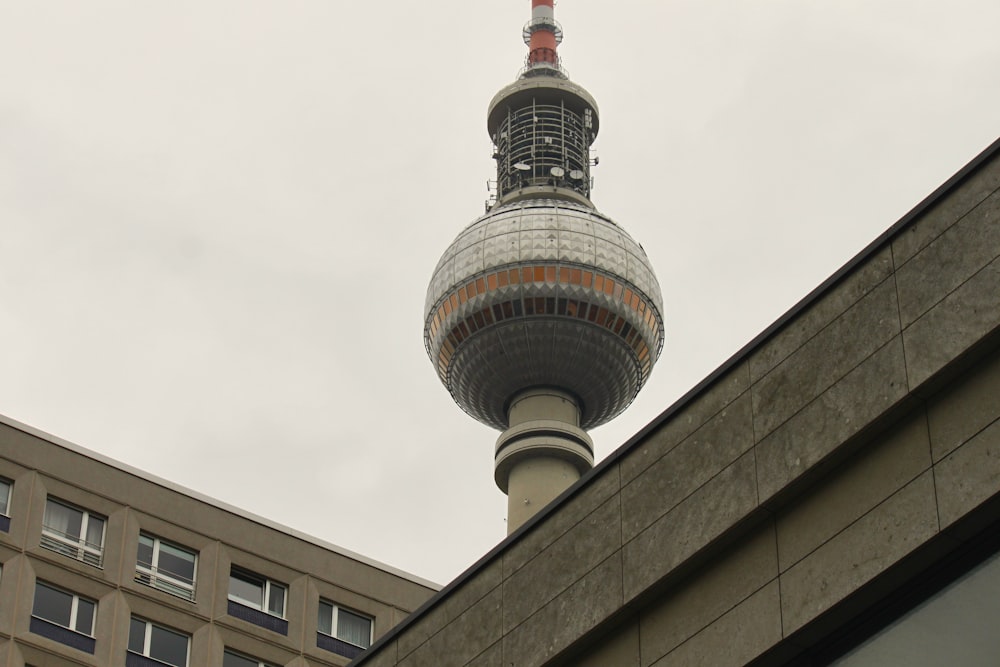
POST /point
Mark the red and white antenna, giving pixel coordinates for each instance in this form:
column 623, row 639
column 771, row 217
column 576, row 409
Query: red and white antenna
column 543, row 35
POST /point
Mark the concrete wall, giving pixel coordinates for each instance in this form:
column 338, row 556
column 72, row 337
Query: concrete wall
column 221, row 536
column 846, row 449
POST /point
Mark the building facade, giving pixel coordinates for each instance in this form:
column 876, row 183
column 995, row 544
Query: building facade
column 830, row 495
column 101, row 564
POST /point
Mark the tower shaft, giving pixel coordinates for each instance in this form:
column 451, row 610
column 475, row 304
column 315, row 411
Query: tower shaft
column 542, row 453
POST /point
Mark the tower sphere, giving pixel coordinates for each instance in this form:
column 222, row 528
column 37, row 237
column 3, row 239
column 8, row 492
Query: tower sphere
column 543, row 293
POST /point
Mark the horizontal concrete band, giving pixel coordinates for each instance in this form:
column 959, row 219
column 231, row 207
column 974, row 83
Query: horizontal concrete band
column 541, row 438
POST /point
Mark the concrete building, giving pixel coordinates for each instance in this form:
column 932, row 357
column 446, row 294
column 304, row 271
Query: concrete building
column 838, row 474
column 101, row 564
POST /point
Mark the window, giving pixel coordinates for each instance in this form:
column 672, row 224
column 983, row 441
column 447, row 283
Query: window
column 257, row 600
column 156, row 642
column 4, row 495
column 342, row 631
column 955, row 625
column 4, row 504
column 73, row 532
column 233, row 659
column 63, row 617
column 257, row 592
column 165, row 566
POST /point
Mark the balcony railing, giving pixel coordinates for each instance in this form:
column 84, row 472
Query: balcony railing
column 168, row 582
column 73, row 546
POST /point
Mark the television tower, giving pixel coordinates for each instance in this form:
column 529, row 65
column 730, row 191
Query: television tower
column 543, row 317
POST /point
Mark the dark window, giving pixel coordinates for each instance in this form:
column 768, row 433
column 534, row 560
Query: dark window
column 342, row 631
column 159, row 643
column 4, row 496
column 5, row 487
column 65, row 609
column 63, row 617
column 955, row 626
column 258, row 592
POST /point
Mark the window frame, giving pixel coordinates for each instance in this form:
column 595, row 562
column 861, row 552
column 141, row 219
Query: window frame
column 267, row 585
column 74, row 609
column 173, row 585
column 244, row 656
column 335, row 622
column 147, row 641
column 5, row 496
column 54, row 540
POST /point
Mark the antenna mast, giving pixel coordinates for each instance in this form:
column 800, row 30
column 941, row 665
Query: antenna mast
column 542, row 34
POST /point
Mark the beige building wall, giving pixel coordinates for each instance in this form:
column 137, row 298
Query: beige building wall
column 818, row 474
column 222, row 537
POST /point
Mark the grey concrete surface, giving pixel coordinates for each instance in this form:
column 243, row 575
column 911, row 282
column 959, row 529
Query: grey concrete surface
column 826, row 358
column 953, row 325
column 691, row 526
column 687, row 467
column 830, row 306
column 708, row 595
column 860, row 552
column 736, row 637
column 955, row 416
column 969, row 475
column 696, row 413
column 836, row 415
column 949, row 260
column 879, row 470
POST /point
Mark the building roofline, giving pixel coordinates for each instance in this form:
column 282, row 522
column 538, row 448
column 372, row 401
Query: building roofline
column 956, row 180
column 226, row 507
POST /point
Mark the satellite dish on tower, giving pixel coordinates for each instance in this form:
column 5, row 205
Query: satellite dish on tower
column 576, row 175
column 558, row 172
column 520, row 166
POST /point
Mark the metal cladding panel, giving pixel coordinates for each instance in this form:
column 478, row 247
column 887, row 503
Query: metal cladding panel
column 62, row 635
column 538, row 225
column 258, row 617
column 543, row 293
column 337, row 646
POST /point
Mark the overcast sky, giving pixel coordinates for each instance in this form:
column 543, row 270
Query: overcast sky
column 219, row 218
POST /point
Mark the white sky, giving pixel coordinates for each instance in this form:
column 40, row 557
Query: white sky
column 219, row 218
